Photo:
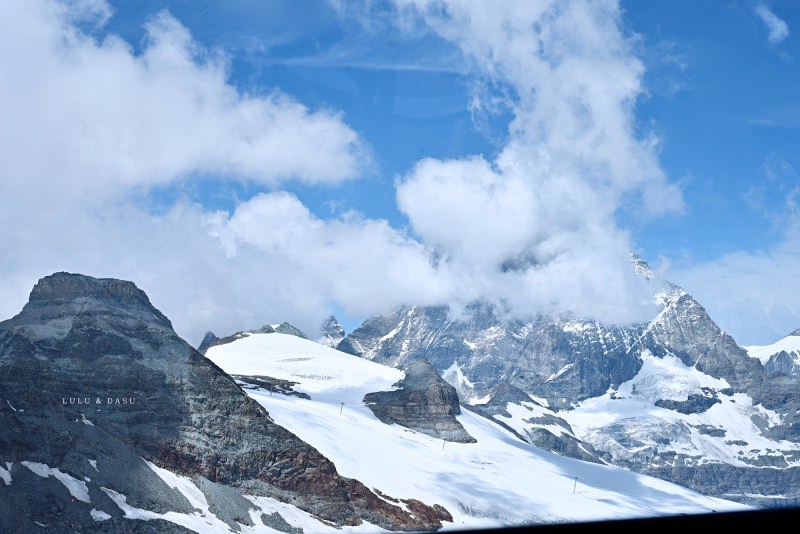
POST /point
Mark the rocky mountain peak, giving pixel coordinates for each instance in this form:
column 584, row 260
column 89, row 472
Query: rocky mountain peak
column 64, row 288
column 331, row 332
column 286, row 328
column 208, row 340
column 91, row 370
column 420, row 374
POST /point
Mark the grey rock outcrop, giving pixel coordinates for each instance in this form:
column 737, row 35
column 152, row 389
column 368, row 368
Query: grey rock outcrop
column 93, row 379
column 423, row 402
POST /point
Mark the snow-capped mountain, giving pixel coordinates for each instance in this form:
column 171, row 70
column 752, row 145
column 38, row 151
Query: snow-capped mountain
column 782, row 356
column 111, row 422
column 483, row 482
column 675, row 397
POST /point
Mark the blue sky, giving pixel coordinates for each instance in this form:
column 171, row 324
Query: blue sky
column 248, row 162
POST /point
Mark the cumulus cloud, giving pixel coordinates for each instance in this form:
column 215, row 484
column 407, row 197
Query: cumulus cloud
column 87, row 119
column 86, row 124
column 778, row 29
column 536, row 224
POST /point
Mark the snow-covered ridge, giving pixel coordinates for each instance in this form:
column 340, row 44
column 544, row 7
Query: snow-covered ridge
column 789, row 344
column 483, row 485
column 628, row 419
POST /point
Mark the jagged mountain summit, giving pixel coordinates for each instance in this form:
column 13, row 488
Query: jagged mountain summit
column 674, row 397
column 331, row 332
column 783, row 356
column 492, row 479
column 105, row 410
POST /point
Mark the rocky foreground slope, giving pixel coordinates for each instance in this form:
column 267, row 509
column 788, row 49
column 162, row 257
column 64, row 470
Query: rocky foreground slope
column 104, row 410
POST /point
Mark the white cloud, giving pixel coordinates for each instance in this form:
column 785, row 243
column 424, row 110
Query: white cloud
column 536, row 225
column 88, row 119
column 86, row 124
column 778, row 29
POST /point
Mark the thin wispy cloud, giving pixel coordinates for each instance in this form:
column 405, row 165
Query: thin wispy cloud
column 777, row 27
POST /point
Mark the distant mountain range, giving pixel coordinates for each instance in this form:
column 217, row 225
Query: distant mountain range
column 674, row 398
column 110, row 422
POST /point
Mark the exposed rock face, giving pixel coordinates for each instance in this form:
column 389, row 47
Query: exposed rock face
column 562, row 360
column 331, row 332
column 92, row 374
column 537, row 429
column 424, row 402
column 568, row 362
column 784, row 363
column 286, row 328
column 208, row 340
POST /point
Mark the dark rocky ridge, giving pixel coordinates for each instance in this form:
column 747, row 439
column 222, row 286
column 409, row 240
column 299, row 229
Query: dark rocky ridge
column 424, row 402
column 97, row 339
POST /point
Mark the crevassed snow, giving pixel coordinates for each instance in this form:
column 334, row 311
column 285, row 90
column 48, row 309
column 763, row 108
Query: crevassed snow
column 790, row 344
column 5, row 474
column 485, row 484
column 99, row 515
column 77, row 488
column 632, row 410
column 326, row 374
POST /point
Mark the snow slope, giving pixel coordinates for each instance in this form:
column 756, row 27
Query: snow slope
column 498, row 481
column 626, row 420
column 790, row 344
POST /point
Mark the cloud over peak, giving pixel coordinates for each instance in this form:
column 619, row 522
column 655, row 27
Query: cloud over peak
column 86, row 122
